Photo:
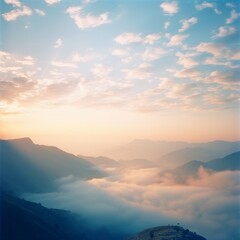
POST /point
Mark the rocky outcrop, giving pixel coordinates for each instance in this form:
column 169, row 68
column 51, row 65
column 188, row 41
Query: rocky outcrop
column 167, row 233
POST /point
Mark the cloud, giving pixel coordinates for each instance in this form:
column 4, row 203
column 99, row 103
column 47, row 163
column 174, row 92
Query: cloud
column 84, row 21
column 166, row 25
column 152, row 54
column 26, row 61
column 15, row 13
column 176, row 40
column 58, row 43
column 14, row 3
column 101, row 71
column 234, row 16
column 186, row 24
column 130, row 38
column 224, row 32
column 214, row 49
column 88, row 55
column 51, row 2
column 226, row 77
column 120, row 52
column 170, row 8
column 141, row 72
column 40, row 12
column 186, row 60
column 131, row 195
column 151, row 38
column 230, row 5
column 188, row 73
column 15, row 89
column 63, row 64
column 57, row 90
column 204, row 5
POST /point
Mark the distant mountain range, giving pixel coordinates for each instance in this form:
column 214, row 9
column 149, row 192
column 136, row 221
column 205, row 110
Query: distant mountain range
column 28, row 167
column 167, row 233
column 182, row 173
column 173, row 154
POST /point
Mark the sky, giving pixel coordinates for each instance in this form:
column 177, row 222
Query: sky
column 93, row 74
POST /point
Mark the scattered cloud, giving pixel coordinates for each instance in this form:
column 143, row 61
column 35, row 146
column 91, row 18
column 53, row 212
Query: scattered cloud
column 226, row 77
column 88, row 55
column 63, row 64
column 152, row 54
column 40, row 12
column 204, row 5
column 167, row 25
column 234, row 16
column 14, row 3
column 58, row 43
column 141, row 72
column 101, row 71
column 176, row 40
column 224, row 31
column 230, row 5
column 26, row 61
column 217, row 50
column 128, row 38
column 51, row 2
column 120, row 52
column 151, row 38
column 170, row 8
column 15, row 89
column 188, row 73
column 15, row 13
column 186, row 60
column 186, row 24
column 84, row 21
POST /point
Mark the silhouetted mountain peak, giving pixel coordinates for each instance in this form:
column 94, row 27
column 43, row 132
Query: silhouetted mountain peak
column 24, row 140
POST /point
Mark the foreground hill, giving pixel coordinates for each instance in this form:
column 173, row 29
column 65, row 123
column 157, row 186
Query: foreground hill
column 28, row 167
column 167, row 233
column 24, row 220
column 182, row 173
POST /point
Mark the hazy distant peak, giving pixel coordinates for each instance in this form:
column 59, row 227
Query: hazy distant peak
column 24, row 140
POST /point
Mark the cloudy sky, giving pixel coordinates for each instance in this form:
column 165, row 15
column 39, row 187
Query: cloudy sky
column 91, row 74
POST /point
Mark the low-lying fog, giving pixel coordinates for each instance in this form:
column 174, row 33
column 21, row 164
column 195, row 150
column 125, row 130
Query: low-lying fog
column 135, row 199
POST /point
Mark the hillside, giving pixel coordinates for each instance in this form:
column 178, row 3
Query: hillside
column 28, row 167
column 167, row 233
column 24, row 220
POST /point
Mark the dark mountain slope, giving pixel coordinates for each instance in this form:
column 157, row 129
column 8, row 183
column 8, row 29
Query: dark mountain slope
column 230, row 162
column 27, row 167
column 167, row 233
column 24, row 220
